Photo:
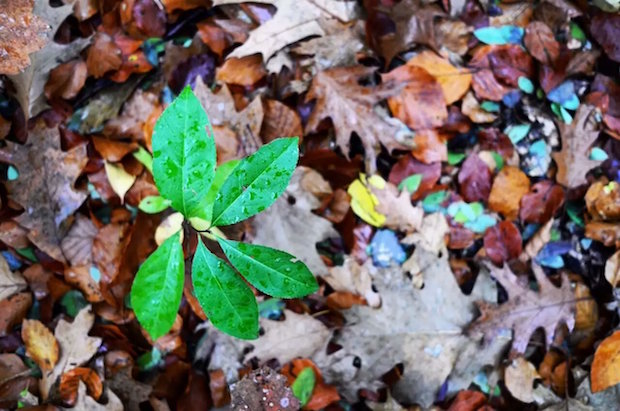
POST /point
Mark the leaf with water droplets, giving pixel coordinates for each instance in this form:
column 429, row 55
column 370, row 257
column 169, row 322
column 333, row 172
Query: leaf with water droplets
column 225, row 297
column 158, row 286
column 256, row 182
column 184, row 154
column 273, row 272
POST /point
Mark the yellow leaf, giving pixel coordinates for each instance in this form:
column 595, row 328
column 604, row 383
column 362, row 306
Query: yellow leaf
column 120, row 180
column 41, row 345
column 363, row 201
column 171, row 225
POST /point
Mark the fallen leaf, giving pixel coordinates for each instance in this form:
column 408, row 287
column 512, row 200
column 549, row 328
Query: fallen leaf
column 81, row 278
column 430, row 146
column 41, row 345
column 87, row 403
column 606, row 233
column 605, row 28
column 244, row 71
column 133, row 119
column 30, row 82
column 454, row 81
column 322, row 394
column 471, row 108
column 573, row 160
column 23, row 33
column 586, row 313
column 542, row 202
column 399, row 212
column 541, row 43
column 612, row 269
column 418, row 328
column 78, row 243
column 293, row 21
column 519, row 377
column 354, row 278
column 290, row 225
column 45, row 186
column 279, row 120
column 537, row 242
column 76, row 347
column 70, row 381
column 351, row 108
column 130, row 391
column 218, row 388
column 10, row 282
column 113, row 150
column 603, row 200
column 103, row 55
column 13, row 310
column 474, row 179
column 108, row 247
column 526, row 310
column 14, row 376
column 420, row 103
column 509, row 186
column 120, row 180
column 604, row 372
column 66, row 80
column 502, row 242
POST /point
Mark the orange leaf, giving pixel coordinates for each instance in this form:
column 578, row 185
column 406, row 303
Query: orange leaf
column 70, row 381
column 606, row 365
column 430, row 146
column 41, row 345
column 454, row 81
column 322, row 395
column 508, row 187
column 66, row 80
column 244, row 71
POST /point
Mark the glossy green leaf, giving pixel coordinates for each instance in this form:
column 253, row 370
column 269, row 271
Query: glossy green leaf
column 273, row 272
column 183, row 153
column 226, row 299
column 256, row 182
column 153, row 204
column 221, row 174
column 158, row 286
column 304, row 385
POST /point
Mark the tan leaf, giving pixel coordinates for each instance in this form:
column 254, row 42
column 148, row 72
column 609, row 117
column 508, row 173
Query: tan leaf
column 113, row 150
column 399, row 213
column 22, row 33
column 354, row 278
column 80, row 277
column 40, row 343
column 537, row 242
column 77, row 245
column 13, row 310
column 170, row 226
column 14, row 376
column 509, row 186
column 612, row 269
column 120, row 180
column 66, row 80
column 10, row 282
column 280, row 121
column 603, row 200
column 294, row 20
column 86, row 403
column 351, row 108
column 45, row 187
column 605, row 370
column 573, row 160
column 541, row 43
column 519, row 377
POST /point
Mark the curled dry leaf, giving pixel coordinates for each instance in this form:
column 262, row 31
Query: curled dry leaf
column 605, row 370
column 66, row 80
column 354, row 278
column 421, row 103
column 430, row 146
column 70, row 381
column 280, row 120
column 40, row 343
column 244, row 71
column 502, row 242
column 519, row 377
column 13, row 310
column 103, row 55
column 541, row 43
column 542, row 202
column 509, row 186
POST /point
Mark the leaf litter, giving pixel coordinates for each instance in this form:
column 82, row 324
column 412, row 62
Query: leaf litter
column 458, row 201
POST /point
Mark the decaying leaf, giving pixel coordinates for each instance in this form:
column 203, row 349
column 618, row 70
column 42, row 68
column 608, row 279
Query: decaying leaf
column 400, row 214
column 612, row 269
column 519, row 377
column 78, row 243
column 606, row 363
column 526, row 310
column 351, row 108
column 509, row 186
column 420, row 329
column 29, row 83
column 290, row 225
column 41, row 345
column 13, row 310
column 354, row 278
column 293, row 21
column 541, row 43
column 87, row 403
column 45, row 186
column 573, row 160
column 10, row 282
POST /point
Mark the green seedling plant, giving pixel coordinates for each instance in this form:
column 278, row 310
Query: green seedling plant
column 208, row 197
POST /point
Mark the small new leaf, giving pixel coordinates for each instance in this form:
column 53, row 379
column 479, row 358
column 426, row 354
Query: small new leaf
column 225, row 297
column 256, row 182
column 183, row 154
column 273, row 272
column 158, row 286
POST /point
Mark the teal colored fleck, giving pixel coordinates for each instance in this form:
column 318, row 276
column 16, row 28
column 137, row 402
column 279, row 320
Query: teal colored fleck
column 565, row 96
column 500, row 35
column 150, row 360
column 574, row 210
column 481, row 224
column 411, row 183
column 490, row 106
column 526, row 85
column 95, row 273
column 12, row 173
column 598, row 154
column 517, row 132
column 586, row 243
column 538, row 148
column 271, row 308
column 432, row 202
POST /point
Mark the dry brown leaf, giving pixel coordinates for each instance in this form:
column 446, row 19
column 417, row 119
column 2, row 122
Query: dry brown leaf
column 509, row 186
column 430, row 146
column 526, row 310
column 519, row 377
column 612, row 269
column 399, row 213
column 541, row 43
column 605, row 370
column 606, row 233
column 66, row 80
column 13, row 235
column 294, row 20
column 471, row 108
column 133, row 120
column 586, row 313
column 244, row 71
column 40, row 343
column 70, row 381
column 45, row 187
column 113, row 150
column 280, row 121
column 354, row 278
column 78, row 243
column 573, row 160
column 10, row 282
column 13, row 379
column 80, row 277
column 351, row 108
column 453, row 37
column 603, row 200
column 13, row 310
column 87, row 403
column 537, row 242
column 22, row 33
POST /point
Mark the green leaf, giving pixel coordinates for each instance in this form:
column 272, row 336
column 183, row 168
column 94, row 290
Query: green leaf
column 273, row 272
column 158, row 286
column 256, row 182
column 221, row 174
column 226, row 299
column 411, row 183
column 304, row 385
column 144, row 157
column 183, row 153
column 153, row 204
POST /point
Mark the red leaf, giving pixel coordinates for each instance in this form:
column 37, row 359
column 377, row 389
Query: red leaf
column 503, row 242
column 475, row 179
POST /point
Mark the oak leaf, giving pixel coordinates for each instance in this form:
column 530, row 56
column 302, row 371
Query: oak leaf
column 30, row 83
column 526, row 310
column 351, row 108
column 45, row 186
column 573, row 160
column 22, row 33
column 294, row 20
